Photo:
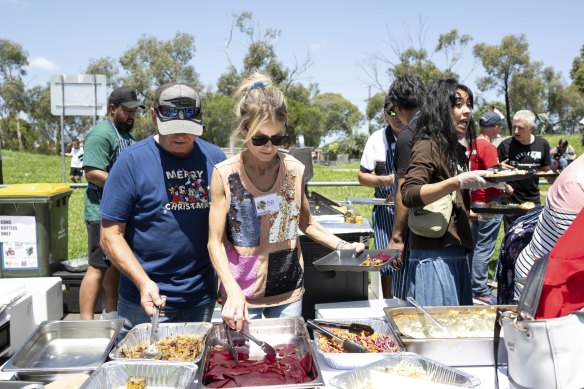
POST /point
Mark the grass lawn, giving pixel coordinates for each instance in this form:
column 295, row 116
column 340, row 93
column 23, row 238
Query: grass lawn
column 21, row 167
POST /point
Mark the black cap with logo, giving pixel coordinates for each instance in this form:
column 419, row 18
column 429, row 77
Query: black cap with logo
column 125, row 96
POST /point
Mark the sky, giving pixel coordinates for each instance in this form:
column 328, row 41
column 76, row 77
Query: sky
column 61, row 36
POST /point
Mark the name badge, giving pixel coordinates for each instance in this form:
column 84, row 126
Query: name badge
column 266, row 204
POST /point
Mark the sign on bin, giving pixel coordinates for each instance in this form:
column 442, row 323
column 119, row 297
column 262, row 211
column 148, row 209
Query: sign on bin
column 18, row 239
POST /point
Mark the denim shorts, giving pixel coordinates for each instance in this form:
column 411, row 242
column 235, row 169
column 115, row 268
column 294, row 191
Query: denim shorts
column 439, row 277
column 293, row 309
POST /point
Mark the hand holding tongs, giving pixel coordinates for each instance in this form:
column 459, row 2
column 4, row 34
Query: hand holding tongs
column 355, row 328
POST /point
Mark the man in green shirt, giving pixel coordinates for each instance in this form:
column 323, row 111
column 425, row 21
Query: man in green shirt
column 102, row 146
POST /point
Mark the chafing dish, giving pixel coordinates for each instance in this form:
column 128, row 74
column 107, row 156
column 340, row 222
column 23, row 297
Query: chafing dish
column 58, row 349
column 385, row 373
column 140, row 334
column 472, row 326
column 157, row 374
column 276, row 332
column 353, row 360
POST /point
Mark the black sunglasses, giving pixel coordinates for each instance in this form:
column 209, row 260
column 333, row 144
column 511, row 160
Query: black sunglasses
column 277, row 140
column 165, row 112
column 391, row 111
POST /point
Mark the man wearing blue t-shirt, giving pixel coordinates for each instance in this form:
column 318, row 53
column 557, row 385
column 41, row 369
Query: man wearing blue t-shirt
column 155, row 211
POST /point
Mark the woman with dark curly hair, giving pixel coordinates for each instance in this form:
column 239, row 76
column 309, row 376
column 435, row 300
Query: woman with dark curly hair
column 439, row 273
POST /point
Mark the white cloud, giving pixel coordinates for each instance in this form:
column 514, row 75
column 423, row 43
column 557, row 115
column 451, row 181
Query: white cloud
column 43, row 64
column 316, row 45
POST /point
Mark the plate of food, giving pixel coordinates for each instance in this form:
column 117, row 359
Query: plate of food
column 503, row 209
column 508, row 175
column 549, row 173
column 348, row 260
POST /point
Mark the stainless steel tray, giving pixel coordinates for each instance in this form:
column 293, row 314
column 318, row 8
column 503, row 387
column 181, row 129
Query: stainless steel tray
column 76, row 265
column 275, row 332
column 500, row 209
column 461, row 351
column 346, row 361
column 140, row 334
column 434, row 371
column 158, row 374
column 57, row 349
column 348, row 260
column 511, row 177
column 21, row 384
column 368, row 200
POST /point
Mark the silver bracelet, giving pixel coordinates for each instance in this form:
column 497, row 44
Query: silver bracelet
column 341, row 244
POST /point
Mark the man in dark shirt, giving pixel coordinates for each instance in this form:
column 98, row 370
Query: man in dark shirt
column 524, row 151
column 406, row 94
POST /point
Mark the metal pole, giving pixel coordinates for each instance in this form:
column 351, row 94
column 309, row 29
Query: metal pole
column 368, row 100
column 1, row 174
column 94, row 99
column 63, row 131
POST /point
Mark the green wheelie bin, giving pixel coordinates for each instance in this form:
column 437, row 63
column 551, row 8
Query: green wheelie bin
column 34, row 225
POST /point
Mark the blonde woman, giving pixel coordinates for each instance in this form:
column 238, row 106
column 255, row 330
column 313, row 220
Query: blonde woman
column 258, row 207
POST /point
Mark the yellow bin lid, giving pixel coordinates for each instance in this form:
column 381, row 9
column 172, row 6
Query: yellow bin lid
column 33, row 189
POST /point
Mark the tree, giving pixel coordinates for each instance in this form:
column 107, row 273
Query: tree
column 577, row 72
column 153, row 62
column 108, row 67
column 416, row 62
column 502, row 62
column 13, row 62
column 217, row 117
column 416, row 59
column 340, row 115
column 260, row 56
column 353, row 146
column 374, row 112
column 526, row 89
column 305, row 119
column 452, row 45
column 47, row 125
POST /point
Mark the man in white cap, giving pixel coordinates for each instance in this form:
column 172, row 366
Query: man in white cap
column 155, row 215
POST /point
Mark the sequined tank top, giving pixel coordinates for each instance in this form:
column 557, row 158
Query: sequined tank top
column 264, row 251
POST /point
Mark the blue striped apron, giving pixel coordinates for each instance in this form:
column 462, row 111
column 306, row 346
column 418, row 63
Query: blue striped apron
column 383, row 219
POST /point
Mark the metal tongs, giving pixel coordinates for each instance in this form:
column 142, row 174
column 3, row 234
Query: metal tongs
column 230, row 344
column 348, row 345
column 355, row 328
column 266, row 348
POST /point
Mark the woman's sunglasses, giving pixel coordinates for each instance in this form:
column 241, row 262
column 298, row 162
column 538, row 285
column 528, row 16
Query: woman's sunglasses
column 277, row 140
column 391, row 111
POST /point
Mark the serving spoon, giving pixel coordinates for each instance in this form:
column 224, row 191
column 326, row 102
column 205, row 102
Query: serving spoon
column 152, row 352
column 432, row 319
